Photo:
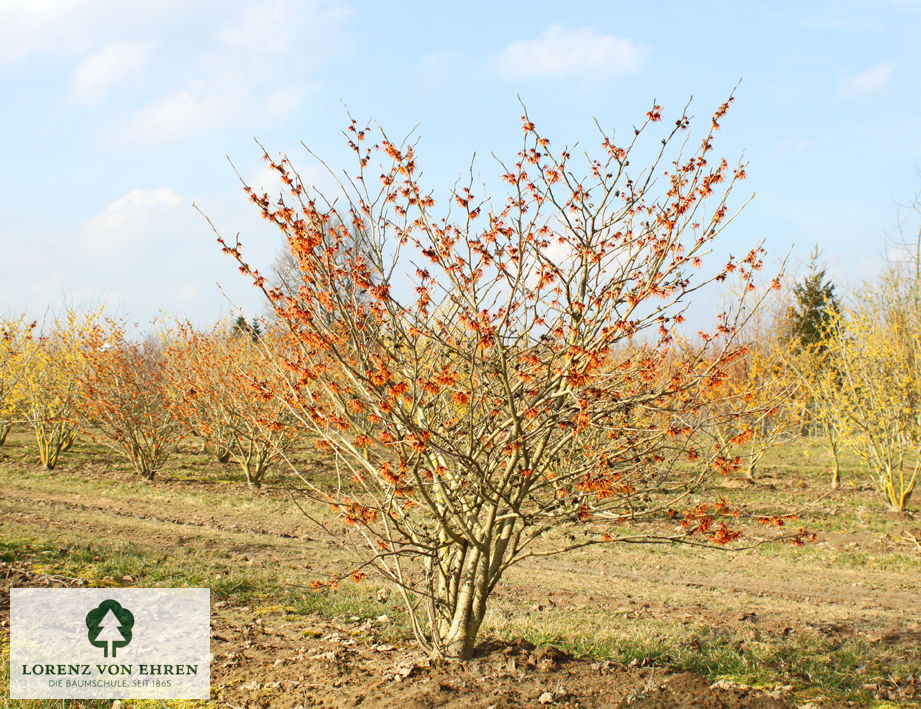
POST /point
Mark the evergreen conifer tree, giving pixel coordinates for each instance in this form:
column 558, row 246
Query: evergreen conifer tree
column 815, row 305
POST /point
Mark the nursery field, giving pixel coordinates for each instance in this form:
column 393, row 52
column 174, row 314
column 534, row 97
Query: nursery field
column 499, row 366
column 836, row 622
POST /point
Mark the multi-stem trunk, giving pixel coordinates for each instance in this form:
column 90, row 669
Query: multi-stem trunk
column 144, row 462
column 51, row 439
column 897, row 486
column 468, row 574
column 145, row 470
column 254, row 460
column 461, row 622
column 253, row 472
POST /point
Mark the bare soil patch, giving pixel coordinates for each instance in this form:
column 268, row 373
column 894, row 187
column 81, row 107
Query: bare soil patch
column 279, row 661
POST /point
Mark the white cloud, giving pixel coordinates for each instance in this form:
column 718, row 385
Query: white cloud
column 182, row 114
column 432, row 72
column 30, row 25
column 306, row 29
column 75, row 25
column 582, row 54
column 47, row 288
column 282, row 103
column 264, row 179
column 124, row 221
column 188, row 293
column 263, row 28
column 145, row 253
column 149, row 251
column 435, row 68
column 866, row 82
column 257, row 66
column 789, row 149
column 96, row 72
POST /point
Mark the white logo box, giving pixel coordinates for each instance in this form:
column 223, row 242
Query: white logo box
column 110, row 643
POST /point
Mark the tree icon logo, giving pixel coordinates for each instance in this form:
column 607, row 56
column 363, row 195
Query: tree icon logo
column 109, row 626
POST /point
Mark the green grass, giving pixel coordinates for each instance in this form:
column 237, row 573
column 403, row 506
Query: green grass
column 813, row 665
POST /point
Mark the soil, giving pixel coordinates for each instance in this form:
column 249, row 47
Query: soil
column 312, row 661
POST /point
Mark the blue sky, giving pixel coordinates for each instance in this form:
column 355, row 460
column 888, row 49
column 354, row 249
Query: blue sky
column 117, row 116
